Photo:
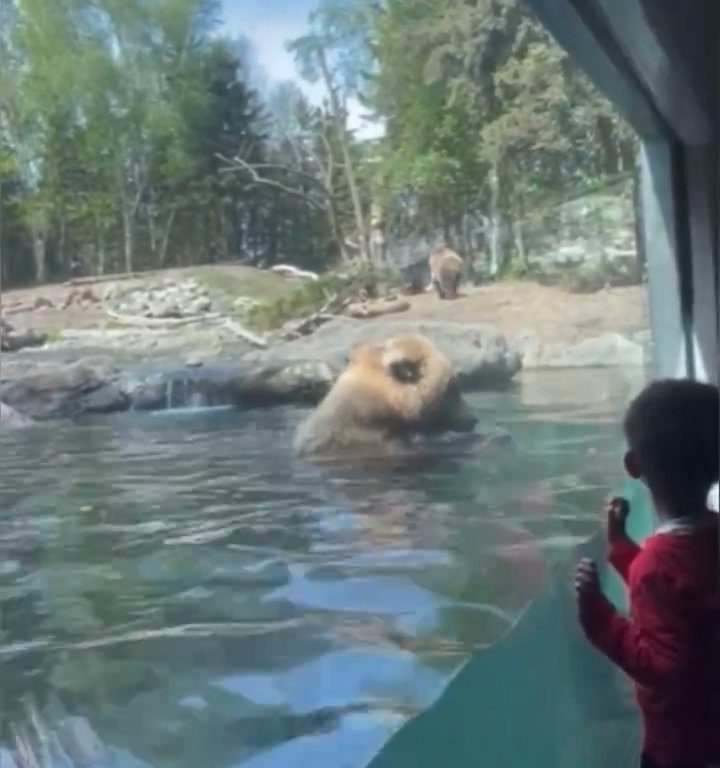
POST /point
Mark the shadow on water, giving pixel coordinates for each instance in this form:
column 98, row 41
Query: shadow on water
column 206, row 599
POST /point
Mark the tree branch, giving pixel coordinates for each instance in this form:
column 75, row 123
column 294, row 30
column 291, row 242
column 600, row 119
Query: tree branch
column 238, row 164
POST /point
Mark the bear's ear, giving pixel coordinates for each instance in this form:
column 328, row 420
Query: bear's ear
column 405, row 371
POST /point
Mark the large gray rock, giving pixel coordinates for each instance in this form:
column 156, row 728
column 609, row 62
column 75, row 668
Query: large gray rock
column 300, row 371
column 303, row 370
column 248, row 384
column 13, row 340
column 282, row 381
column 480, row 354
column 610, row 350
column 55, row 390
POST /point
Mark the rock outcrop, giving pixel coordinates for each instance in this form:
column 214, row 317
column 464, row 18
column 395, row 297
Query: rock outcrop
column 54, row 390
column 13, row 340
column 480, row 354
column 163, row 300
column 610, row 350
column 300, row 371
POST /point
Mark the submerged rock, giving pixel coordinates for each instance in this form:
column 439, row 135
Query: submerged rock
column 80, row 742
column 72, row 743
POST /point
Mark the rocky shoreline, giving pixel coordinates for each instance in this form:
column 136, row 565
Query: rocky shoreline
column 65, row 380
column 46, row 384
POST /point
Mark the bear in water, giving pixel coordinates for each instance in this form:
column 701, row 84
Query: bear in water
column 391, row 393
column 445, row 272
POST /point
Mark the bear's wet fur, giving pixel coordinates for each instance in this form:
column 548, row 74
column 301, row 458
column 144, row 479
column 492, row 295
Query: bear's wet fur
column 391, row 393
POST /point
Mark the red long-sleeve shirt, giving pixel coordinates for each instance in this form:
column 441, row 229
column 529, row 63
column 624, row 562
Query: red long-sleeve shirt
column 670, row 643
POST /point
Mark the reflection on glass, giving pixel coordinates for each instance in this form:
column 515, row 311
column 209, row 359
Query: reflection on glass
column 193, row 192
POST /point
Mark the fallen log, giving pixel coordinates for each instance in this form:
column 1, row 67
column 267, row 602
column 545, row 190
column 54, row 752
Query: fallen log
column 307, row 325
column 362, row 311
column 161, row 322
column 289, row 270
column 244, row 333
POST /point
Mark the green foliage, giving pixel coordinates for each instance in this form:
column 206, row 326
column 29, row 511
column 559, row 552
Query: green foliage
column 114, row 117
column 311, row 296
column 484, row 113
column 118, row 117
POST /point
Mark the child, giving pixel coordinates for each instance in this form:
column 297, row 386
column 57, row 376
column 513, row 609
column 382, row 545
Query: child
column 670, row 644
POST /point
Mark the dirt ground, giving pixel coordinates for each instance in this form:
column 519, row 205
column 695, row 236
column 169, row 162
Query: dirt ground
column 552, row 314
column 514, row 307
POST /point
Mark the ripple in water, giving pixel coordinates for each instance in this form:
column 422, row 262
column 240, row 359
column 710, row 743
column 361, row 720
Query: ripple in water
column 205, row 599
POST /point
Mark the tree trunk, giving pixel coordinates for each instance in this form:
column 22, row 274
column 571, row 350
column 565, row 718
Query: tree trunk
column 39, row 242
column 518, row 233
column 151, row 231
column 101, row 256
column 495, row 224
column 520, row 243
column 337, row 231
column 62, row 241
column 225, row 231
column 166, row 235
column 447, row 229
column 128, row 240
column 348, row 165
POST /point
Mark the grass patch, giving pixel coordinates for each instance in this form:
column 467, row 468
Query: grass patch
column 53, row 336
column 227, row 285
column 310, row 296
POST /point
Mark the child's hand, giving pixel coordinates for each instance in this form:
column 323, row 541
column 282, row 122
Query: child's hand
column 593, row 608
column 587, row 587
column 587, row 580
column 617, row 510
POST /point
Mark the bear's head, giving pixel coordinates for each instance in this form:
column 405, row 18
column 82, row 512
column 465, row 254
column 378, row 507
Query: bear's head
column 389, row 393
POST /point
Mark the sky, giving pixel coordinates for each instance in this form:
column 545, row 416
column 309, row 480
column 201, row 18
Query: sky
column 269, row 24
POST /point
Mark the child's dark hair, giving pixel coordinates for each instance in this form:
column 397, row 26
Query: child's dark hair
column 672, row 431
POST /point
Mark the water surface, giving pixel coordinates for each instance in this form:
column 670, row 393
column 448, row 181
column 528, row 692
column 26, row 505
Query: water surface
column 207, row 600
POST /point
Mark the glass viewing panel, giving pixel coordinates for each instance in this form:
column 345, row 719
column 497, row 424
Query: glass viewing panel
column 205, row 208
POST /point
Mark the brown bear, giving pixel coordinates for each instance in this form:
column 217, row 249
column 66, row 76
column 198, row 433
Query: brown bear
column 445, row 272
column 390, row 393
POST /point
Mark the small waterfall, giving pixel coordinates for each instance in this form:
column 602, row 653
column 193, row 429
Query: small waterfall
column 182, row 394
column 190, row 390
column 184, row 389
column 169, row 395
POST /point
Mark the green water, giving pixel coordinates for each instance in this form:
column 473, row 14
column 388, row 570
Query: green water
column 206, row 600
